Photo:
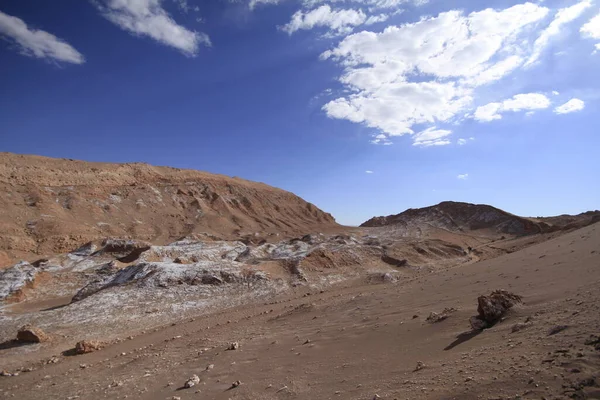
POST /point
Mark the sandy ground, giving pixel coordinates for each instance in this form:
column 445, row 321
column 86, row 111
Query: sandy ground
column 359, row 340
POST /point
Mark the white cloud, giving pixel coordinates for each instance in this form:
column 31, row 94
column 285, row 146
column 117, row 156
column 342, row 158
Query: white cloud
column 555, row 92
column 338, row 21
column 461, row 142
column 183, row 5
column 519, row 102
column 368, row 172
column 432, row 137
column 562, row 17
column 426, row 72
column 254, row 3
column 371, row 4
column 37, row 43
column 570, row 106
column 592, row 28
column 374, row 19
column 148, row 18
column 463, row 177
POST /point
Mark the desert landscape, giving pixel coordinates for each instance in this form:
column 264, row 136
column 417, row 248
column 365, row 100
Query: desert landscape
column 142, row 282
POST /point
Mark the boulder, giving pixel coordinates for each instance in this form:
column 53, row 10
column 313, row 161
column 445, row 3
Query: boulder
column 491, row 309
column 32, row 334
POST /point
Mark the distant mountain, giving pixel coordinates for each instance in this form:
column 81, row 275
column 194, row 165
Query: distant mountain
column 54, row 205
column 465, row 217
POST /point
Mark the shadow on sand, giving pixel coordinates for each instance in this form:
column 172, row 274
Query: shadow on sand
column 463, row 337
column 11, row 344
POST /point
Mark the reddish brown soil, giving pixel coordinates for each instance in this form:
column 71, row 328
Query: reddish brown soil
column 52, row 206
column 358, row 340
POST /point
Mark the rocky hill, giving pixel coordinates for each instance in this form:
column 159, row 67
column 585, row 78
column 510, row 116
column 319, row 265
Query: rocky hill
column 480, row 218
column 54, row 205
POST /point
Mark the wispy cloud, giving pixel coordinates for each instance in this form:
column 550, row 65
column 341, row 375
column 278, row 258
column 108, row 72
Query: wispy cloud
column 463, row 177
column 570, row 106
column 149, row 18
column 337, row 21
column 591, row 30
column 37, row 43
column 562, row 17
column 519, row 102
column 368, row 172
column 432, row 137
column 254, row 3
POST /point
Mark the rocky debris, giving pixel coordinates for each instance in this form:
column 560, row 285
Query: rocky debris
column 85, row 250
column 420, row 366
column 236, row 384
column 31, row 334
column 519, row 327
column 16, row 278
column 438, row 317
column 87, row 346
column 192, row 381
column 593, row 340
column 492, row 308
column 459, row 217
column 393, row 261
column 233, row 346
column 126, row 250
column 556, row 329
column 577, row 389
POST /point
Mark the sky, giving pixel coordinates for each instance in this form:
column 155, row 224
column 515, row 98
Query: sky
column 362, row 107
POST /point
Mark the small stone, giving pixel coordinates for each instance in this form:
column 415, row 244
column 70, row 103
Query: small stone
column 192, row 381
column 233, row 346
column 87, row 346
column 556, row 329
column 420, row 366
column 235, row 384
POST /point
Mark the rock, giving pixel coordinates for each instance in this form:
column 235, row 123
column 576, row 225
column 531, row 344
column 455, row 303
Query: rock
column 32, row 334
column 593, row 340
column 438, row 317
column 235, row 384
column 192, row 381
column 87, row 346
column 420, row 366
column 519, row 327
column 556, row 329
column 492, row 308
column 86, row 250
column 233, row 346
column 478, row 324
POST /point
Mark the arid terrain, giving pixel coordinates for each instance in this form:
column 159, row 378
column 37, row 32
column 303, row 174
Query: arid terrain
column 221, row 288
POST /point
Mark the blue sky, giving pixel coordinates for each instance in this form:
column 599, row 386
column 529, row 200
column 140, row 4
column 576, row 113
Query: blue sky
column 363, row 107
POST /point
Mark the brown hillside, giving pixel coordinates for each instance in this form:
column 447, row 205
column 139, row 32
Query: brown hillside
column 482, row 219
column 52, row 205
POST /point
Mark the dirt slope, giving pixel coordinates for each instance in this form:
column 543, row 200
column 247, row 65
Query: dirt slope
column 359, row 340
column 479, row 219
column 53, row 205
